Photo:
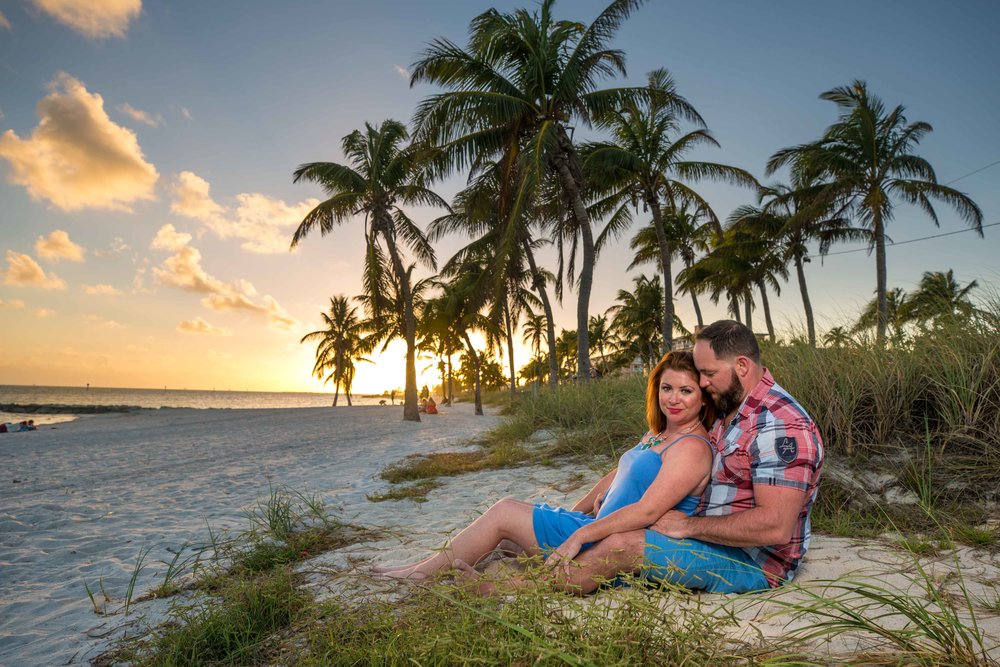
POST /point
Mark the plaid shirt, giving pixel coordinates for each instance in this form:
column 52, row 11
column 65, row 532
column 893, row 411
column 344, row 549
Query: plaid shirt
column 770, row 441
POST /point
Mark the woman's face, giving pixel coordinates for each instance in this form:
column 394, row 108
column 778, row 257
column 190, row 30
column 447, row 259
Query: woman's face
column 680, row 397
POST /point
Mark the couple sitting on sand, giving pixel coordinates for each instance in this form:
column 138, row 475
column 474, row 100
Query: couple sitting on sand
column 716, row 495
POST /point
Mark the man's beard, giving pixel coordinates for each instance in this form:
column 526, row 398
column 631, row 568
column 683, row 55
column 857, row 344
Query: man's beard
column 729, row 400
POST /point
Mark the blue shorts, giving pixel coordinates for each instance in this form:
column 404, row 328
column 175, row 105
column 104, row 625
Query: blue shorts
column 701, row 565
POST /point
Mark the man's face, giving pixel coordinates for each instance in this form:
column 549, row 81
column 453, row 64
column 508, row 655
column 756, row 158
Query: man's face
column 718, row 377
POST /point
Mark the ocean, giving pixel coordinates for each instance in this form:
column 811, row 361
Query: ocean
column 58, row 404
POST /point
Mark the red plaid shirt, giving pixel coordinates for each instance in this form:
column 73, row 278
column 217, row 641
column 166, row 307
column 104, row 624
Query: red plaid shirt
column 770, row 441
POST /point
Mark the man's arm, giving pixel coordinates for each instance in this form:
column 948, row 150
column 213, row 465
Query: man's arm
column 771, row 521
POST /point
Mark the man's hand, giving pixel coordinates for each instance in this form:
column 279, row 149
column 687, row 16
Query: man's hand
column 672, row 524
column 597, row 505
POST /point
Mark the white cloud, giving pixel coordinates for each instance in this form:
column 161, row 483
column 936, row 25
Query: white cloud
column 103, row 322
column 11, row 303
column 4, row 23
column 77, row 157
column 402, row 71
column 141, row 116
column 263, row 223
column 184, row 270
column 24, row 271
column 185, row 112
column 100, row 290
column 96, row 19
column 168, row 238
column 57, row 246
column 44, row 312
column 200, row 326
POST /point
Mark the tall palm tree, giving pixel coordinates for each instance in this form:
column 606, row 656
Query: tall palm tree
column 535, row 330
column 867, row 157
column 797, row 216
column 513, row 95
column 645, row 162
column 601, row 336
column 341, row 342
column 940, row 299
column 382, row 175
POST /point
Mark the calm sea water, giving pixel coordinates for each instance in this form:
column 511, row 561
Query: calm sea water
column 83, row 397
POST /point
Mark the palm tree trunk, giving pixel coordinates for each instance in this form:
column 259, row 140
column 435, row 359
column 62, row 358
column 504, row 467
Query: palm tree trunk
column 806, row 305
column 734, row 306
column 767, row 310
column 880, row 271
column 510, row 348
column 411, row 411
column 574, row 193
column 694, row 300
column 451, row 380
column 475, row 367
column 336, row 391
column 667, row 323
column 550, row 328
column 748, row 309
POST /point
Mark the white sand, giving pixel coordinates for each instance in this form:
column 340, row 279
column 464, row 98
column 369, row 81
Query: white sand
column 92, row 493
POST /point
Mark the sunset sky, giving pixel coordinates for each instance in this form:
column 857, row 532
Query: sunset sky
column 147, row 150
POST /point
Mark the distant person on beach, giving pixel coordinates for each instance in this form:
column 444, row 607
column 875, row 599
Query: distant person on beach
column 752, row 528
column 669, row 468
column 430, row 407
column 17, row 427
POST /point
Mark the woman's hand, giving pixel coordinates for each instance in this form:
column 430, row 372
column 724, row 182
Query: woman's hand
column 563, row 555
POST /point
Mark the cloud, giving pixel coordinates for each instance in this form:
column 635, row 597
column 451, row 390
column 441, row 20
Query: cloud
column 116, row 247
column 402, row 71
column 141, row 116
column 185, row 112
column 11, row 303
column 77, row 157
column 184, row 270
column 200, row 326
column 57, row 246
column 4, row 23
column 44, row 312
column 168, row 238
column 102, row 322
column 96, row 19
column 100, row 290
column 263, row 223
column 23, row 271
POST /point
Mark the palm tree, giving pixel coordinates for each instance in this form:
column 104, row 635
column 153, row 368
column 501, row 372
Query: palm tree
column 895, row 306
column 838, row 337
column 797, row 217
column 478, row 213
column 382, row 175
column 340, row 344
column 600, row 335
column 512, row 97
column 534, row 330
column 940, row 299
column 867, row 158
column 645, row 162
column 636, row 318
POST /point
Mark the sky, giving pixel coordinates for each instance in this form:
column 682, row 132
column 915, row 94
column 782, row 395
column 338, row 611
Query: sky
column 147, row 150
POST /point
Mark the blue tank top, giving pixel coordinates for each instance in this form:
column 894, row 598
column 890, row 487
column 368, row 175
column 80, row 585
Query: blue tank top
column 637, row 469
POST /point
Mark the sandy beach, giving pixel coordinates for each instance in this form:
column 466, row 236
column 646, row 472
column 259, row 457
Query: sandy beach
column 79, row 501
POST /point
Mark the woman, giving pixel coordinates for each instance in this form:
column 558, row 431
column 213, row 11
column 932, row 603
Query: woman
column 669, row 468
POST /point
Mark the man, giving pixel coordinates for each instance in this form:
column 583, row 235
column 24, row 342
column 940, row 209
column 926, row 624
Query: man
column 752, row 528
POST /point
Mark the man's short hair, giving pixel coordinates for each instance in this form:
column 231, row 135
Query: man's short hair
column 729, row 339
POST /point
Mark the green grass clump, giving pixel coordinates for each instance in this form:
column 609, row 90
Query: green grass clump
column 238, row 626
column 444, row 625
column 446, row 464
column 416, row 492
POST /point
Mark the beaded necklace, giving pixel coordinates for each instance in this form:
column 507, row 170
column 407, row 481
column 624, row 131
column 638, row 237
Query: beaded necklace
column 659, row 438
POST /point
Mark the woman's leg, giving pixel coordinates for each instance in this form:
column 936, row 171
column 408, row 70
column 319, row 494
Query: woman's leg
column 508, row 519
